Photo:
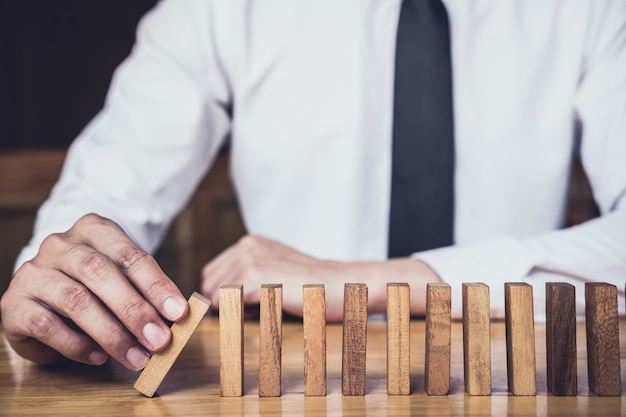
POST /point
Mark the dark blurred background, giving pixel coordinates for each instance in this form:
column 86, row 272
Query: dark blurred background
column 56, row 61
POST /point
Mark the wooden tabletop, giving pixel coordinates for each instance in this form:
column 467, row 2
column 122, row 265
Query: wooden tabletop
column 192, row 386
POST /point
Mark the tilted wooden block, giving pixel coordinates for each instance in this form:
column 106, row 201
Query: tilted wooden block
column 161, row 362
column 603, row 354
column 520, row 338
column 314, row 328
column 270, row 339
column 354, row 339
column 231, row 340
column 477, row 338
column 398, row 339
column 561, row 358
column 438, row 333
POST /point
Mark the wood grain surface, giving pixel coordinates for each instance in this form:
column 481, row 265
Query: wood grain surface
column 192, row 386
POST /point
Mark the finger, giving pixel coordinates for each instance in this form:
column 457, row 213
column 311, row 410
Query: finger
column 214, row 276
column 135, row 264
column 239, row 264
column 43, row 337
column 99, row 276
column 73, row 300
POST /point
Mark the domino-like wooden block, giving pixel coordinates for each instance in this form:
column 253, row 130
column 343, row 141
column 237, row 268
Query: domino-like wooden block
column 314, row 328
column 161, row 362
column 438, row 333
column 354, row 339
column 231, row 340
column 398, row 339
column 561, row 359
column 270, row 339
column 603, row 354
column 477, row 338
column 520, row 338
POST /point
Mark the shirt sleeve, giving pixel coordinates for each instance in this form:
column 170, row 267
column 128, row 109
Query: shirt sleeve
column 596, row 249
column 165, row 117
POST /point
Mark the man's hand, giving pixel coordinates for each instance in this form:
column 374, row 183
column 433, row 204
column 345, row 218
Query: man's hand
column 90, row 293
column 256, row 260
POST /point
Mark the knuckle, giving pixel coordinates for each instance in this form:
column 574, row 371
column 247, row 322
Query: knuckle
column 53, row 243
column 158, row 287
column 76, row 299
column 91, row 219
column 28, row 268
column 42, row 325
column 133, row 309
column 131, row 256
column 249, row 241
column 74, row 347
column 94, row 266
column 114, row 339
column 27, row 272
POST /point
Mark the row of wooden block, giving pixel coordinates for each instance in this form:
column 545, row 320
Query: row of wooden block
column 602, row 339
column 602, row 325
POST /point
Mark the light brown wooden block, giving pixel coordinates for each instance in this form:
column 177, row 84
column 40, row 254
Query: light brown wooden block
column 603, row 354
column 520, row 338
column 231, row 340
column 270, row 339
column 438, row 333
column 561, row 358
column 398, row 339
column 354, row 339
column 314, row 328
column 477, row 339
column 161, row 362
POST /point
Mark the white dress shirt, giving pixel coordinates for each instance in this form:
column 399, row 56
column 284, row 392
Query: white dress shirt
column 303, row 90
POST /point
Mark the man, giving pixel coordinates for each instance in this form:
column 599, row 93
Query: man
column 305, row 92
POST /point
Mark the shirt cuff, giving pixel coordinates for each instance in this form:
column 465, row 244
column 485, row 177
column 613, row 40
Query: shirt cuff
column 493, row 262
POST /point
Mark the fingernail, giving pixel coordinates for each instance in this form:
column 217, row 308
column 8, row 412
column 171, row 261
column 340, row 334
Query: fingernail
column 155, row 335
column 97, row 357
column 174, row 308
column 137, row 358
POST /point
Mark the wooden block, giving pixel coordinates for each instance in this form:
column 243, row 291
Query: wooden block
column 314, row 328
column 231, row 340
column 603, row 354
column 161, row 362
column 477, row 339
column 520, row 338
column 398, row 339
column 438, row 332
column 561, row 338
column 270, row 339
column 354, row 339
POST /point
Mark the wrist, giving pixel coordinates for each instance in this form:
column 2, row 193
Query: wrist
column 377, row 274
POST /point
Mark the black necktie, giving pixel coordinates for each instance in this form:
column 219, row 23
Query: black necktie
column 421, row 212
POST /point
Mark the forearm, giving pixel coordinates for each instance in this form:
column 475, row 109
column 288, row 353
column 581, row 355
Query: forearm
column 593, row 251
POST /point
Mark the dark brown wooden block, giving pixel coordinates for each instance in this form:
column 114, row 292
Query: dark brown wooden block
column 562, row 371
column 603, row 354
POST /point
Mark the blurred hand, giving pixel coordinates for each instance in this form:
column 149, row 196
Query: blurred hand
column 256, row 260
column 90, row 293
